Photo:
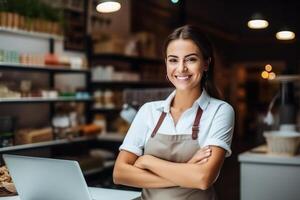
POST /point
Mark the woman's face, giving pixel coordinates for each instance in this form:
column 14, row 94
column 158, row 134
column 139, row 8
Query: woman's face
column 185, row 64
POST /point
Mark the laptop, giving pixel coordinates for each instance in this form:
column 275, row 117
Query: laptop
column 54, row 179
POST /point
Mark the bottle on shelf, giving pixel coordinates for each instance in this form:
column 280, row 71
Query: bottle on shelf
column 98, row 99
column 100, row 120
column 51, row 59
column 109, row 99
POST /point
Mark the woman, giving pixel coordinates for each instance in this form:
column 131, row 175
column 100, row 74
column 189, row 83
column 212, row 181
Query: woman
column 175, row 148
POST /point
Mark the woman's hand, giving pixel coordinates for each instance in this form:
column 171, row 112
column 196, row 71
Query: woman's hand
column 201, row 156
column 142, row 161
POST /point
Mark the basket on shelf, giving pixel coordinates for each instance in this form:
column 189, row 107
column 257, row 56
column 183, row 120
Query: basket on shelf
column 281, row 143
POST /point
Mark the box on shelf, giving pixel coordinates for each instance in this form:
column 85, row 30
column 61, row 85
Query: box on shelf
column 114, row 46
column 27, row 136
column 91, row 129
column 104, row 43
column 141, row 44
column 100, row 121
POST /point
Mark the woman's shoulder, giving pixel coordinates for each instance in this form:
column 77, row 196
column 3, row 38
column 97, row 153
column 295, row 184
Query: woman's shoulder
column 153, row 105
column 221, row 105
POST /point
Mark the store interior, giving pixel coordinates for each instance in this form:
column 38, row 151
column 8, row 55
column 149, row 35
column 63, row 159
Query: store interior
column 72, row 79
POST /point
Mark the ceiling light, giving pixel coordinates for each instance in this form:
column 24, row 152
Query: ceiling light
column 108, row 6
column 268, row 67
column 257, row 22
column 265, row 75
column 272, row 76
column 174, row 1
column 285, row 34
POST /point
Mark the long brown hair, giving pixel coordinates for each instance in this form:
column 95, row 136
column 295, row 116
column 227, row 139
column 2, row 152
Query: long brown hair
column 189, row 32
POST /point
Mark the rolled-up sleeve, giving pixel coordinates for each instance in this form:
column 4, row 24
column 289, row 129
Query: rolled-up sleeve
column 222, row 128
column 136, row 135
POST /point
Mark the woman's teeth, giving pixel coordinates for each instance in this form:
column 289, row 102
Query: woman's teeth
column 182, row 77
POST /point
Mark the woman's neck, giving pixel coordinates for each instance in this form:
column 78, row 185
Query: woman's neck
column 184, row 99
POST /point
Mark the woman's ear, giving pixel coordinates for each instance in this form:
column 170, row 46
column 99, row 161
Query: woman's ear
column 207, row 63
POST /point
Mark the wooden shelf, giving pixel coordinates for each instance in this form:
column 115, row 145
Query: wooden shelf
column 31, row 34
column 109, row 137
column 42, row 100
column 46, row 144
column 124, row 58
column 73, row 9
column 130, row 84
column 105, row 110
column 40, row 68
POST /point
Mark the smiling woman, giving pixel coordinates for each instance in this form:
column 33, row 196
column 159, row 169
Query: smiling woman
column 175, row 148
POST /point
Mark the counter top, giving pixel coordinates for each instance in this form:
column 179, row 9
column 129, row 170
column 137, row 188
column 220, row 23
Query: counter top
column 260, row 155
column 100, row 194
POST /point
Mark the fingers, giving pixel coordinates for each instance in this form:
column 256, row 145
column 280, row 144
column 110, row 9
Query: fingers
column 203, row 153
column 200, row 155
column 202, row 161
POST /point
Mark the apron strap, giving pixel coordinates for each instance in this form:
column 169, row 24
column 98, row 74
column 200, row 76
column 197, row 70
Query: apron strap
column 195, row 128
column 160, row 121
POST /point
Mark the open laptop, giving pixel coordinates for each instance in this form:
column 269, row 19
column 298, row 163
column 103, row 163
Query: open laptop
column 53, row 179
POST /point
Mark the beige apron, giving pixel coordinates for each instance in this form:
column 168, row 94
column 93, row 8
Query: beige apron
column 180, row 149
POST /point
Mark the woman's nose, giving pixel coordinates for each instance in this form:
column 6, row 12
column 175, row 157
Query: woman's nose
column 182, row 67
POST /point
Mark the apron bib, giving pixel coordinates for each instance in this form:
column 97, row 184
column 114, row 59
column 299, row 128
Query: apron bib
column 175, row 148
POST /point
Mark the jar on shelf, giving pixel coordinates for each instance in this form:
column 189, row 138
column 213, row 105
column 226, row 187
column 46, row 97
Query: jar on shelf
column 98, row 99
column 100, row 121
column 109, row 71
column 109, row 99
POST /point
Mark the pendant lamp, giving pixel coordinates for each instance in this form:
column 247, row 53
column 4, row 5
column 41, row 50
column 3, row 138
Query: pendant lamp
column 285, row 34
column 108, row 6
column 257, row 21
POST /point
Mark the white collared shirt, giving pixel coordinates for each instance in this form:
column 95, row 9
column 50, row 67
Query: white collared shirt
column 216, row 124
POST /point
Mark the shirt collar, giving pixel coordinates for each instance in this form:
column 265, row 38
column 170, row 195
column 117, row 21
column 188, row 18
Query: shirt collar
column 202, row 101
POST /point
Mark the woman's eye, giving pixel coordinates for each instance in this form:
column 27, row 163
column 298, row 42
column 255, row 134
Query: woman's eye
column 191, row 60
column 172, row 60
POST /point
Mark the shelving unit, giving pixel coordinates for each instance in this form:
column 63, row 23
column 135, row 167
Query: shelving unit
column 31, row 33
column 40, row 68
column 45, row 144
column 43, row 100
column 129, row 84
column 125, row 58
column 51, row 71
column 114, row 137
column 75, row 29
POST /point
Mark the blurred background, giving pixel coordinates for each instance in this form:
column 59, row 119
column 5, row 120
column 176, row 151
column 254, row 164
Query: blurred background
column 74, row 72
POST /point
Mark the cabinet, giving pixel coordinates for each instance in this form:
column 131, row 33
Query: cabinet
column 267, row 177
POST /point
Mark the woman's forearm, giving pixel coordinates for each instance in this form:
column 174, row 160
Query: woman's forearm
column 183, row 174
column 126, row 174
column 190, row 175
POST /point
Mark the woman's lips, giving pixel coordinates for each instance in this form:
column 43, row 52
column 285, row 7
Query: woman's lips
column 183, row 77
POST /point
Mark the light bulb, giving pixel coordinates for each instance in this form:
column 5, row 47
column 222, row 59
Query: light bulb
column 285, row 35
column 108, row 6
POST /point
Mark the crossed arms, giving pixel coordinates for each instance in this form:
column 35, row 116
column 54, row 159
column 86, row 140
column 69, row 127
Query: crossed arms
column 151, row 172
